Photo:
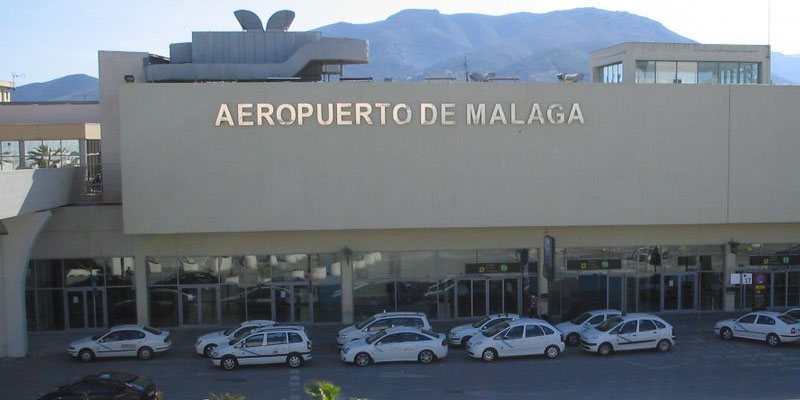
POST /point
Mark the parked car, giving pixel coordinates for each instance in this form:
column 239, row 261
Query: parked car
column 268, row 345
column 793, row 312
column 573, row 329
column 206, row 344
column 106, row 385
column 396, row 344
column 460, row 335
column 518, row 337
column 772, row 327
column 381, row 321
column 629, row 332
column 122, row 341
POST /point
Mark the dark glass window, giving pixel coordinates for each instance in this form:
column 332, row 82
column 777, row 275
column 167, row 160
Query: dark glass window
column 254, row 341
column 629, row 327
column 647, row 325
column 547, row 330
column 295, row 338
column 515, row 332
column 708, row 73
column 765, row 320
column 596, row 320
column 396, row 338
column 660, row 324
column 276, row 338
column 748, row 319
column 645, row 71
column 533, row 331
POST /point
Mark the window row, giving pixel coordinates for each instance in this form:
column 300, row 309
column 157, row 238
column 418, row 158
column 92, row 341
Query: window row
column 16, row 154
column 702, row 72
column 612, row 73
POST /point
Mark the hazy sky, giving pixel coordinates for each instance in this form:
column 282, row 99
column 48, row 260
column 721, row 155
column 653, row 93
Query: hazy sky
column 46, row 39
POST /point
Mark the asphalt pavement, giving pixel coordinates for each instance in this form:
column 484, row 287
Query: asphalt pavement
column 700, row 366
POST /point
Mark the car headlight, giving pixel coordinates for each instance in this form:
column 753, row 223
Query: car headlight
column 453, row 335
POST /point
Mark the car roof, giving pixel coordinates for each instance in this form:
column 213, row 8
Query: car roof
column 257, row 322
column 503, row 315
column 275, row 328
column 525, row 321
column 399, row 314
column 112, row 375
column 628, row 317
column 126, row 327
column 767, row 313
column 400, row 329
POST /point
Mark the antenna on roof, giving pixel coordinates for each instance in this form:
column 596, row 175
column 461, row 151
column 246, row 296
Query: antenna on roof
column 249, row 20
column 280, row 21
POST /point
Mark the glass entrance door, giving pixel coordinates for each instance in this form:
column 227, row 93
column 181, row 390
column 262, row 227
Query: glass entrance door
column 85, row 308
column 679, row 292
column 616, row 292
column 199, row 306
column 292, row 302
column 477, row 297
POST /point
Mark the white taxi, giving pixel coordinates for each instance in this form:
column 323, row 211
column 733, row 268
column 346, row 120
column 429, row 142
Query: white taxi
column 771, row 327
column 793, row 312
column 379, row 322
column 460, row 335
column 121, row 341
column 396, row 344
column 206, row 344
column 271, row 345
column 629, row 332
column 519, row 337
column 572, row 329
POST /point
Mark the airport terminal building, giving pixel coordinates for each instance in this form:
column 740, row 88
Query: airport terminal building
column 239, row 184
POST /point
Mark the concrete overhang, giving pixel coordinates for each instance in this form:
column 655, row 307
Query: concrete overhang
column 49, row 131
column 31, row 190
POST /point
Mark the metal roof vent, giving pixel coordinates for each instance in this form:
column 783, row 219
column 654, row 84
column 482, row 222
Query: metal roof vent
column 280, row 21
column 249, row 20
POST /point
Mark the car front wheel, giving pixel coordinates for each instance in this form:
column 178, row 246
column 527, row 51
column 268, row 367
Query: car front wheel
column 773, row 340
column 605, row 349
column 363, row 359
column 573, row 339
column 229, row 363
column 489, row 355
column 86, row 355
column 726, row 333
column 209, row 349
column 551, row 352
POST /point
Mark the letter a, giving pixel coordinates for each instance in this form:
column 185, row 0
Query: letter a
column 224, row 115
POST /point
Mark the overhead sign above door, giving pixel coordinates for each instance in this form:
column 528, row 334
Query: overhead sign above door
column 594, row 264
column 497, row 268
column 775, row 260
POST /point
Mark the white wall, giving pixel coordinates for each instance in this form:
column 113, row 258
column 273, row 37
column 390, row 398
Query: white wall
column 646, row 155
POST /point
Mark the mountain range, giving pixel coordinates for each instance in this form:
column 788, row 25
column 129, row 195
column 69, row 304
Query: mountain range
column 414, row 44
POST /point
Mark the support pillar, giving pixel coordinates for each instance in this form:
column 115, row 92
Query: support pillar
column 142, row 291
column 347, row 286
column 728, row 298
column 15, row 250
column 542, row 285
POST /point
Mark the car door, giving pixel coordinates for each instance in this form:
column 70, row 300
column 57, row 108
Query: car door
column 626, row 337
column 388, row 348
column 296, row 344
column 110, row 345
column 130, row 343
column 410, row 346
column 648, row 333
column 764, row 325
column 745, row 326
column 251, row 350
column 534, row 340
column 512, row 341
column 275, row 348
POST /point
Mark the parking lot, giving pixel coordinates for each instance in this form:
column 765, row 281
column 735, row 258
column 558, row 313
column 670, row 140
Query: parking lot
column 700, row 366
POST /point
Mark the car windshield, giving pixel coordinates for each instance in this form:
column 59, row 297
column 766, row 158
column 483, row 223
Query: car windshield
column 495, row 329
column 154, row 331
column 364, row 323
column 608, row 324
column 480, row 323
column 582, row 318
column 228, row 331
column 376, row 337
column 99, row 335
column 788, row 320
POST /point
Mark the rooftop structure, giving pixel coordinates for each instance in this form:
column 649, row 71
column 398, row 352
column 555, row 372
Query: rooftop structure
column 6, row 88
column 684, row 63
column 256, row 54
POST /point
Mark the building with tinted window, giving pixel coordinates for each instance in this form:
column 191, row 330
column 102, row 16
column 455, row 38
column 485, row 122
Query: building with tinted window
column 293, row 197
column 683, row 63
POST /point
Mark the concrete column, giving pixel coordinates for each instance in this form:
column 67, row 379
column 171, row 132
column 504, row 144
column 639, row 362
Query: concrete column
column 142, row 292
column 541, row 285
column 347, row 287
column 15, row 248
column 728, row 299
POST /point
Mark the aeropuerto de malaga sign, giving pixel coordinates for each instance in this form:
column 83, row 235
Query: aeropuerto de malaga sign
column 343, row 114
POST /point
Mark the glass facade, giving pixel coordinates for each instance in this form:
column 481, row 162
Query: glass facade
column 16, row 154
column 702, row 72
column 637, row 279
column 444, row 284
column 775, row 270
column 80, row 293
column 230, row 289
column 612, row 73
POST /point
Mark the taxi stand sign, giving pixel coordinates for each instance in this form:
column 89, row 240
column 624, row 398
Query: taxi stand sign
column 742, row 279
